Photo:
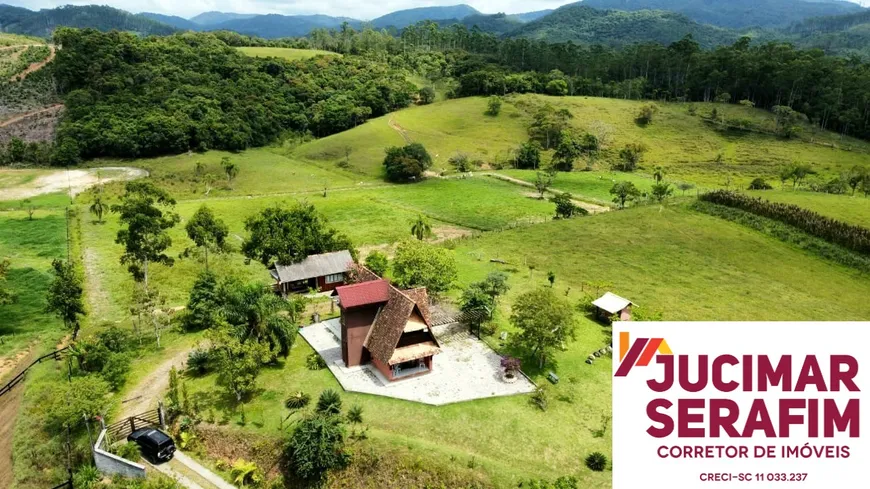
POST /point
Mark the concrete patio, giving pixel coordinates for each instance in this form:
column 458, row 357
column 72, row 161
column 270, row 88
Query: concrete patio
column 466, row 369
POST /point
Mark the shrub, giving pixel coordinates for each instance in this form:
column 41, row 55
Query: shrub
column 630, row 156
column 463, row 163
column 87, row 477
column 315, row 362
column 528, row 156
column 317, row 446
column 596, row 461
column 759, row 184
column 541, row 399
column 198, row 361
column 647, row 113
column 354, row 414
column 129, row 451
column 493, row 106
column 377, row 262
column 246, row 473
column 407, row 163
column 427, row 95
column 115, row 370
column 329, row 402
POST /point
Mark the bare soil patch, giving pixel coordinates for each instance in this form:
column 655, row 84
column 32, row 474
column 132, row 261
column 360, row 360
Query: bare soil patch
column 74, row 181
column 34, row 126
column 35, row 66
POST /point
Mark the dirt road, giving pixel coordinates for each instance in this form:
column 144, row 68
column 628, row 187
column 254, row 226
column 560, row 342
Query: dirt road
column 73, row 181
column 151, row 388
column 9, row 406
column 27, row 115
column 36, row 66
column 592, row 208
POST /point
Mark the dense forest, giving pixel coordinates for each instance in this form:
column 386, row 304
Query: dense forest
column 127, row 96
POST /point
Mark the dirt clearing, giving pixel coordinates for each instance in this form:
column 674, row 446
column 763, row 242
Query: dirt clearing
column 73, row 181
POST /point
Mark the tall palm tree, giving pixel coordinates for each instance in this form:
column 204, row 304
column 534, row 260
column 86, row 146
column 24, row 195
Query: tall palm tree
column 98, row 208
column 420, row 227
column 260, row 315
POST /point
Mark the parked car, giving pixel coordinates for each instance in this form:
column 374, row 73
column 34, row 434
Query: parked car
column 156, row 445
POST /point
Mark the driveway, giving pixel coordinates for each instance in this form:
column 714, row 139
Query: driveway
column 466, row 369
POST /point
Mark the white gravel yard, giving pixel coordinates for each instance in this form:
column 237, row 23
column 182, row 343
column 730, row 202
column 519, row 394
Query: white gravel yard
column 466, row 369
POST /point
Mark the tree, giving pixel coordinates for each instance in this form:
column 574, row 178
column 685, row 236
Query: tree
column 238, row 363
column 548, row 123
column 800, row 172
column 207, row 232
column 30, row 207
column 203, row 309
column 258, row 315
column 565, row 206
column 147, row 310
column 568, row 150
column 420, row 227
column 463, row 163
column 68, row 404
column 857, row 175
column 623, row 192
column 493, row 105
column 98, row 208
column 545, row 322
column 146, row 211
column 661, row 191
column 377, row 262
column 723, row 98
column 5, row 294
column 316, row 446
column 630, row 156
column 658, row 174
column 683, row 186
column 427, row 95
column 557, row 87
column 407, row 163
column 785, row 174
column 528, row 156
column 543, row 181
column 759, row 184
column 231, row 170
column 419, row 264
column 286, row 236
column 64, row 297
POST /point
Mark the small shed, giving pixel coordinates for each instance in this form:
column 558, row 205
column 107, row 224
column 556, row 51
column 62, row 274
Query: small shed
column 322, row 272
column 609, row 304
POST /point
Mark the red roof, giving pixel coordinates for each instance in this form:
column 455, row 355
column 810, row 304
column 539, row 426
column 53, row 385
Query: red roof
column 363, row 294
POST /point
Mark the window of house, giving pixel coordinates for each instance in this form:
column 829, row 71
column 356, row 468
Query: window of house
column 336, row 277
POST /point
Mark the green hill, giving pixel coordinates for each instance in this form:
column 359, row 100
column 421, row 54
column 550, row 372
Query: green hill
column 841, row 34
column 403, row 18
column 735, row 13
column 581, row 24
column 174, row 21
column 44, row 22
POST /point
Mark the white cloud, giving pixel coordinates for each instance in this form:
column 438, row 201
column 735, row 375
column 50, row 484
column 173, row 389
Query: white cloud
column 346, row 8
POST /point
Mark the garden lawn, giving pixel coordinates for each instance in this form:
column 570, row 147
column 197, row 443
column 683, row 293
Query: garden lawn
column 30, row 246
column 291, row 54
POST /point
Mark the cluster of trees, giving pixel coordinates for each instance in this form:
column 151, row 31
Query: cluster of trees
column 18, row 152
column 849, row 236
column 407, row 163
column 831, row 91
column 127, row 96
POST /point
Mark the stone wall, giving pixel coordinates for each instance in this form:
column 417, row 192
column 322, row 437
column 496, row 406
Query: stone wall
column 111, row 464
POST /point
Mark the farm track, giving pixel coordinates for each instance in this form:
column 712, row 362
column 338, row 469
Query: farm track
column 589, row 206
column 27, row 115
column 36, row 66
column 9, row 406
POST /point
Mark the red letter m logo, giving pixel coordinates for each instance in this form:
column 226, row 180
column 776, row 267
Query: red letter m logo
column 640, row 353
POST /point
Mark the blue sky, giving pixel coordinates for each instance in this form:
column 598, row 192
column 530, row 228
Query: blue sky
column 347, row 8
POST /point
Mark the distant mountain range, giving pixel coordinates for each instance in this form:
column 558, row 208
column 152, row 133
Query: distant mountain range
column 710, row 22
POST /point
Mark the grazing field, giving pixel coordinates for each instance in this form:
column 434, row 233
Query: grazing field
column 684, row 144
column 286, row 53
column 30, row 246
column 593, row 186
column 8, row 39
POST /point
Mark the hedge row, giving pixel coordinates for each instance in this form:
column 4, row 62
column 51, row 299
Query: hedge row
column 849, row 236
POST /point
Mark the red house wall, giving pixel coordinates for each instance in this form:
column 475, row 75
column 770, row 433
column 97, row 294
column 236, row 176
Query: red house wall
column 355, row 325
column 325, row 287
column 388, row 372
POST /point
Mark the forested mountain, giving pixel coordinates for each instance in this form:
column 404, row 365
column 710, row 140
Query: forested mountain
column 174, row 21
column 404, row 18
column 274, row 26
column 736, row 13
column 214, row 18
column 43, row 23
column 530, row 16
column 841, row 34
column 587, row 25
column 494, row 24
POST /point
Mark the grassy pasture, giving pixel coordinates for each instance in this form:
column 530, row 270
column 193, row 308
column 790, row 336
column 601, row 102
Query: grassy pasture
column 9, row 39
column 684, row 144
column 847, row 208
column 286, row 53
column 593, row 186
column 30, row 246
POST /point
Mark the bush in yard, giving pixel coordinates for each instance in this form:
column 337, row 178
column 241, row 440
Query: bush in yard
column 316, row 447
column 596, row 461
column 315, row 362
column 377, row 262
column 759, row 184
column 329, row 402
column 297, row 401
column 407, row 163
column 198, row 361
column 541, row 399
column 129, row 451
column 354, row 414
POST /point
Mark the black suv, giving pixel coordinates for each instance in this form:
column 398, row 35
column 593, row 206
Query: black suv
column 156, row 445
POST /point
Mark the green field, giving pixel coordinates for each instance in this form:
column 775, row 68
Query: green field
column 286, row 53
column 667, row 258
